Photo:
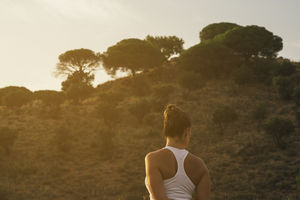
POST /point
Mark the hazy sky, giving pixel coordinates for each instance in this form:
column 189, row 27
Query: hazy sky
column 33, row 33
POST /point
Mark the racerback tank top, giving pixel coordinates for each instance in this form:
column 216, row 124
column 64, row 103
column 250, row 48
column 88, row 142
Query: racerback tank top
column 180, row 186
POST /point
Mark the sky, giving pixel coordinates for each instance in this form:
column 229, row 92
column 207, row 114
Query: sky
column 33, row 33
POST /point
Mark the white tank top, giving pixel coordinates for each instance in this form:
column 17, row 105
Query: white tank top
column 180, row 186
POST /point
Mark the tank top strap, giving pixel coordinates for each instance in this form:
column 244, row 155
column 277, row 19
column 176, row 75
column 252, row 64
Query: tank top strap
column 180, row 155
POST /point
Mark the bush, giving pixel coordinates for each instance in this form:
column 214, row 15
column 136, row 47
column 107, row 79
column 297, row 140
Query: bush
column 298, row 182
column 296, row 95
column 108, row 112
column 49, row 97
column 298, row 117
column 191, row 81
column 260, row 112
column 279, row 128
column 263, row 71
column 17, row 98
column 62, row 138
column 284, row 87
column 243, row 75
column 140, row 108
column 112, row 97
column 8, row 137
column 286, row 68
column 223, row 116
column 140, row 87
column 163, row 91
column 105, row 141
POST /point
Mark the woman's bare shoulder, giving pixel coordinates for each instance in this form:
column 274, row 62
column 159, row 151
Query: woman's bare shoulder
column 196, row 160
column 157, row 154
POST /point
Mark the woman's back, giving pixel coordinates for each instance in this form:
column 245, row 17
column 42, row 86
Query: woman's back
column 181, row 172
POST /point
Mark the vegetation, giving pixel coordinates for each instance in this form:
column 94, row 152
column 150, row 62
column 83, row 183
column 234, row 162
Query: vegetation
column 279, row 128
column 132, row 55
column 102, row 141
column 167, row 45
column 8, row 137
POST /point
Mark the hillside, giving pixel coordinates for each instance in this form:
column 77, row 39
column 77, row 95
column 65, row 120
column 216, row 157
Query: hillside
column 68, row 153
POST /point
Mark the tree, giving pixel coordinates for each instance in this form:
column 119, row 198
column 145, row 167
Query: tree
column 131, row 55
column 212, row 30
column 251, row 41
column 167, row 45
column 78, row 86
column 210, row 59
column 82, row 60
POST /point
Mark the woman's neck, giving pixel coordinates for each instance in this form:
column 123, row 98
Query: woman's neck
column 175, row 143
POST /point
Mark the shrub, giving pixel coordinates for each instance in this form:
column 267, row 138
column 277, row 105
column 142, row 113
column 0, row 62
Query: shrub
column 108, row 112
column 260, row 112
column 262, row 70
column 223, row 116
column 278, row 128
column 49, row 97
column 286, row 68
column 284, row 87
column 140, row 87
column 140, row 108
column 8, row 137
column 105, row 141
column 113, row 97
column 296, row 95
column 17, row 98
column 298, row 182
column 191, row 81
column 163, row 91
column 295, row 78
column 243, row 75
column 298, row 117
column 62, row 138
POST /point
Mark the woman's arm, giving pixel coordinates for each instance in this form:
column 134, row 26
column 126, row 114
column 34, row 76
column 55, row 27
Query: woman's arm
column 154, row 178
column 203, row 187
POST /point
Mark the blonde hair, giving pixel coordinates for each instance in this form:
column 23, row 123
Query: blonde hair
column 175, row 121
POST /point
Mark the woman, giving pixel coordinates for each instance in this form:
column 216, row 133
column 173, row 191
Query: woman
column 172, row 173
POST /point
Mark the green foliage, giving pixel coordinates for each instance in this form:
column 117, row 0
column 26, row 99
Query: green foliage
column 295, row 78
column 278, row 128
column 49, row 97
column 286, row 68
column 131, row 55
column 8, row 137
column 212, row 30
column 140, row 108
column 191, row 81
column 284, row 87
column 78, row 86
column 210, row 59
column 223, row 116
column 13, row 97
column 296, row 95
column 251, row 41
column 112, row 97
column 167, row 45
column 82, row 60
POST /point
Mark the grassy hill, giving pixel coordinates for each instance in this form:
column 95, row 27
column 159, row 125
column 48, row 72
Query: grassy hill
column 71, row 152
